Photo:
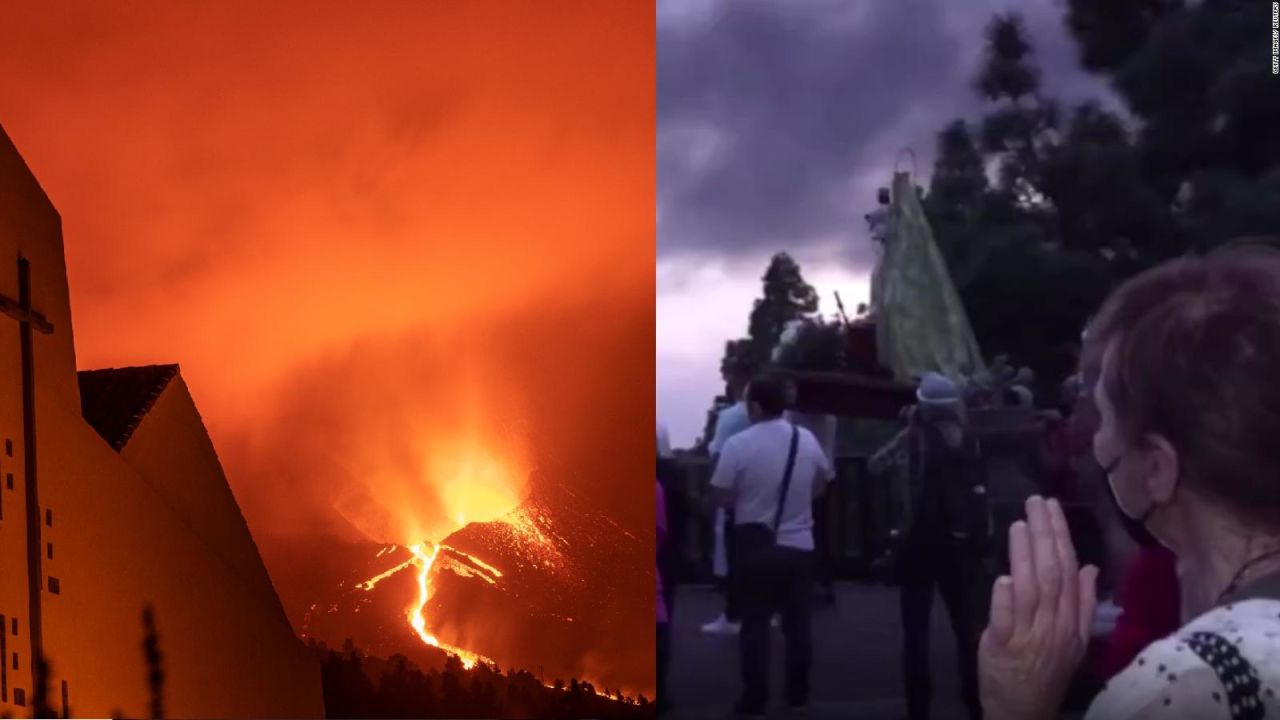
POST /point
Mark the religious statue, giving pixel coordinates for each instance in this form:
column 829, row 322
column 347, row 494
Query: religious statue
column 878, row 224
column 921, row 324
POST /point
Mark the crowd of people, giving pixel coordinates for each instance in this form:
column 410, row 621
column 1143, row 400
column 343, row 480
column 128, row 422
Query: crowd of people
column 1170, row 422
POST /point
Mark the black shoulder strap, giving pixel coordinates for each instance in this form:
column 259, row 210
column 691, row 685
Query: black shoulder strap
column 786, row 478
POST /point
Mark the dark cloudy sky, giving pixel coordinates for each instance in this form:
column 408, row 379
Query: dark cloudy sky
column 776, row 124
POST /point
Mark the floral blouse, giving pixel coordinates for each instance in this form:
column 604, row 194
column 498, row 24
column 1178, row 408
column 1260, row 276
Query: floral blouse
column 1224, row 664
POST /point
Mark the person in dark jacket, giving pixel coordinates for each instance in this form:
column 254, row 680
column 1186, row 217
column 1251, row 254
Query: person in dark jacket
column 945, row 544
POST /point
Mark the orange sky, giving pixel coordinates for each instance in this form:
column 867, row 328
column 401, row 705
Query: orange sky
column 359, row 227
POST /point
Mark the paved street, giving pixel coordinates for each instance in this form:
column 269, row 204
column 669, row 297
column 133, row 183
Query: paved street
column 857, row 673
column 857, row 659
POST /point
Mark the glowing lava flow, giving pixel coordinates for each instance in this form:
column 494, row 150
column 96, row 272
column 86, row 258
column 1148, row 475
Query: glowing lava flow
column 522, row 530
column 417, row 617
column 425, row 556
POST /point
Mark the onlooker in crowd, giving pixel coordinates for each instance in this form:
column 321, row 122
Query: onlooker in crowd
column 769, row 475
column 1189, row 405
column 729, row 422
column 945, row 544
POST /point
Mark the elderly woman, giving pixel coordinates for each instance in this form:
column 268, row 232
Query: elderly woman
column 1185, row 359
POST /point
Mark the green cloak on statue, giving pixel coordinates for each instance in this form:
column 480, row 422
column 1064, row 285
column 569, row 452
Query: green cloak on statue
column 921, row 324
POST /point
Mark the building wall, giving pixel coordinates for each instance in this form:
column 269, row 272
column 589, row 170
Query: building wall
column 118, row 547
column 13, row 544
column 118, row 544
column 29, row 227
column 172, row 452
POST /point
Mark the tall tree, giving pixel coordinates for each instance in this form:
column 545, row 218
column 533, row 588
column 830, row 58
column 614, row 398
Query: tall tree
column 1083, row 198
column 956, row 202
column 786, row 297
column 1100, row 200
column 1191, row 73
column 1021, row 124
column 1109, row 32
column 1026, row 251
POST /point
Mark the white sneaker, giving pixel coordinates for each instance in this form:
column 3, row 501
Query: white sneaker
column 721, row 626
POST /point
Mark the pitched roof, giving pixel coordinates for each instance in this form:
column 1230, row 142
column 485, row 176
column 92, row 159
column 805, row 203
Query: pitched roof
column 115, row 400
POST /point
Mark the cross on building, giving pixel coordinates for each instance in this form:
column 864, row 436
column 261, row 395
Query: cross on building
column 30, row 321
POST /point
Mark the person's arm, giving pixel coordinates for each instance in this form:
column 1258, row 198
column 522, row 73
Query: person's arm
column 893, row 454
column 724, row 480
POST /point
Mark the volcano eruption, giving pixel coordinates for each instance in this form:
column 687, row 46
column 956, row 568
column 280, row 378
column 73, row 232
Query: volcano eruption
column 529, row 589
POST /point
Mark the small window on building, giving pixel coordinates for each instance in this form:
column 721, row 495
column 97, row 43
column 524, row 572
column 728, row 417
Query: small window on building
column 15, row 661
column 54, row 586
column 8, row 447
column 48, row 547
column 20, row 697
column 8, row 480
column 48, row 517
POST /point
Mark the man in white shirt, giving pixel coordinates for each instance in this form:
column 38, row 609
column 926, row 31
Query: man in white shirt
column 749, row 479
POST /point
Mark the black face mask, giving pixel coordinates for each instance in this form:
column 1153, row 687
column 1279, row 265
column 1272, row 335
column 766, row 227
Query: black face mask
column 1136, row 527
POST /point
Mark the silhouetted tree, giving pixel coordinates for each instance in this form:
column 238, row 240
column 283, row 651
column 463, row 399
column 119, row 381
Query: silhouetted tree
column 454, row 694
column 155, row 668
column 402, row 691
column 40, row 688
column 1084, row 198
column 1032, row 253
column 786, row 297
column 348, row 692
